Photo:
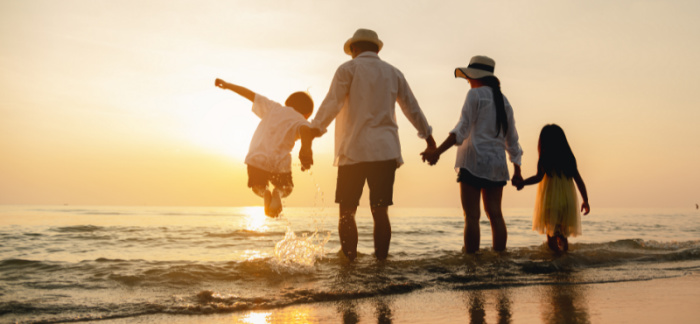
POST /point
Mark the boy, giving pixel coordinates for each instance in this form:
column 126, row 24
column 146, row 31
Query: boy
column 269, row 159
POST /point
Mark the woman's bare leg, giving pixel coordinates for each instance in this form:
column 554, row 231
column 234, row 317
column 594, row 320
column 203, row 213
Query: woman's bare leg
column 492, row 206
column 472, row 212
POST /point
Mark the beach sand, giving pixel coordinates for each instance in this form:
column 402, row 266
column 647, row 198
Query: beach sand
column 670, row 300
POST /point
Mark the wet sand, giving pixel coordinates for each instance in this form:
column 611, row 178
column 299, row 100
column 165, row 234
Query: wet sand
column 671, row 300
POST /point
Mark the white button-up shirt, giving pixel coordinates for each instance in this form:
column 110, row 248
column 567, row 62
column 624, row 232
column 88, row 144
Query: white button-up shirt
column 274, row 138
column 480, row 151
column 362, row 100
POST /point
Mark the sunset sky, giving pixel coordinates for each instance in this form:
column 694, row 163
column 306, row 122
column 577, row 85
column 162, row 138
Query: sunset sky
column 113, row 102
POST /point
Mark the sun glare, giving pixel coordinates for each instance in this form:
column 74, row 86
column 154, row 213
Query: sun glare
column 221, row 127
column 255, row 219
column 256, row 318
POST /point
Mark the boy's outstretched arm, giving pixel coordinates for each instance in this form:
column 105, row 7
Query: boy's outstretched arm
column 250, row 95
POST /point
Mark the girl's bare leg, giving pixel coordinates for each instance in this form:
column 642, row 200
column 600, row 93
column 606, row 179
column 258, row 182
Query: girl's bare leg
column 552, row 243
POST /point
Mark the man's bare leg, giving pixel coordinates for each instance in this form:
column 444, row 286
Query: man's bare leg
column 347, row 230
column 382, row 232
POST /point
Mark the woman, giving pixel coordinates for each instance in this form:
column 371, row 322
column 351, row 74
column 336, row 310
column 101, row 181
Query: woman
column 486, row 130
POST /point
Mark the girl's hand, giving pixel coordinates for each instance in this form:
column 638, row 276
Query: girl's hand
column 585, row 208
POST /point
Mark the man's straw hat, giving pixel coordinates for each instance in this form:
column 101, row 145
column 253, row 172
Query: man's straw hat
column 363, row 35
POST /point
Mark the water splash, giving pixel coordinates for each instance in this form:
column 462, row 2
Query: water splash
column 293, row 254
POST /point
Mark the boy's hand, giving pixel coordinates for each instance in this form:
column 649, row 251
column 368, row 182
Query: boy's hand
column 306, row 157
column 220, row 83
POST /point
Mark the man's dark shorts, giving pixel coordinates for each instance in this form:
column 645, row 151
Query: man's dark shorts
column 259, row 177
column 465, row 176
column 380, row 179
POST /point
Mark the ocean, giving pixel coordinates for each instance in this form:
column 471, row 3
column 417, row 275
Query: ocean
column 84, row 263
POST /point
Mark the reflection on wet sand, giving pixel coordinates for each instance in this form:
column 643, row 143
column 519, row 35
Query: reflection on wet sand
column 350, row 314
column 383, row 311
column 565, row 303
column 348, row 311
column 477, row 302
column 561, row 302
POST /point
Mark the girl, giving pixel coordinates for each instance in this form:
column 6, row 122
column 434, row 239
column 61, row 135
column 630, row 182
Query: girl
column 556, row 206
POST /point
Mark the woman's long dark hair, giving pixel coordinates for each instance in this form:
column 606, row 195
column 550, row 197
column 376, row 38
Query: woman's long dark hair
column 556, row 157
column 501, row 118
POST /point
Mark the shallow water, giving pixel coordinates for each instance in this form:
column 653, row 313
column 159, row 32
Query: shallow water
column 65, row 263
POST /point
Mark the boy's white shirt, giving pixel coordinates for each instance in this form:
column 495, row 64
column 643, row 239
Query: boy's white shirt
column 273, row 140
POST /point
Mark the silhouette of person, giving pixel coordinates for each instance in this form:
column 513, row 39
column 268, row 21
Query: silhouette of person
column 362, row 100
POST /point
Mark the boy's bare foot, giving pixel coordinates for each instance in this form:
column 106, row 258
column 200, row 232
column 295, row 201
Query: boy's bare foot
column 267, row 196
column 275, row 205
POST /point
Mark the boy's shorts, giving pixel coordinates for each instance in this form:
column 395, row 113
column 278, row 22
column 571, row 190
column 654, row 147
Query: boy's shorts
column 465, row 176
column 259, row 177
column 380, row 179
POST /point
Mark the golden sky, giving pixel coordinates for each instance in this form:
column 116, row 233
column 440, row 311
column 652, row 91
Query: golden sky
column 113, row 102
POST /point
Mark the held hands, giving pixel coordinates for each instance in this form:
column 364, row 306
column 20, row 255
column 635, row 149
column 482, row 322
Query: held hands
column 517, row 179
column 518, row 182
column 306, row 157
column 430, row 155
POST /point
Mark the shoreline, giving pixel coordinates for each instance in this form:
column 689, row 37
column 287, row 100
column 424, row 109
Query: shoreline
column 672, row 300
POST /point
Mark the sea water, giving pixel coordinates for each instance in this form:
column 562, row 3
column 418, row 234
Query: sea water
column 82, row 263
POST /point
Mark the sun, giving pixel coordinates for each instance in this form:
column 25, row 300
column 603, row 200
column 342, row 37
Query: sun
column 222, row 128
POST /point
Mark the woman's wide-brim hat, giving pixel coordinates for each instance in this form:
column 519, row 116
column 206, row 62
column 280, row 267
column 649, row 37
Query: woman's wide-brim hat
column 479, row 66
column 363, row 35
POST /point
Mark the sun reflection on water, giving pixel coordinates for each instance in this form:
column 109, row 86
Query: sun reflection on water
column 253, row 255
column 255, row 219
column 294, row 314
column 256, row 318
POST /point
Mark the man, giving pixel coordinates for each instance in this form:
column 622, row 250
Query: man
column 362, row 99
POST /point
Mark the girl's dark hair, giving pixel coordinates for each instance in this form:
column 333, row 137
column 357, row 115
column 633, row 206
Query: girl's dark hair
column 501, row 118
column 556, row 157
